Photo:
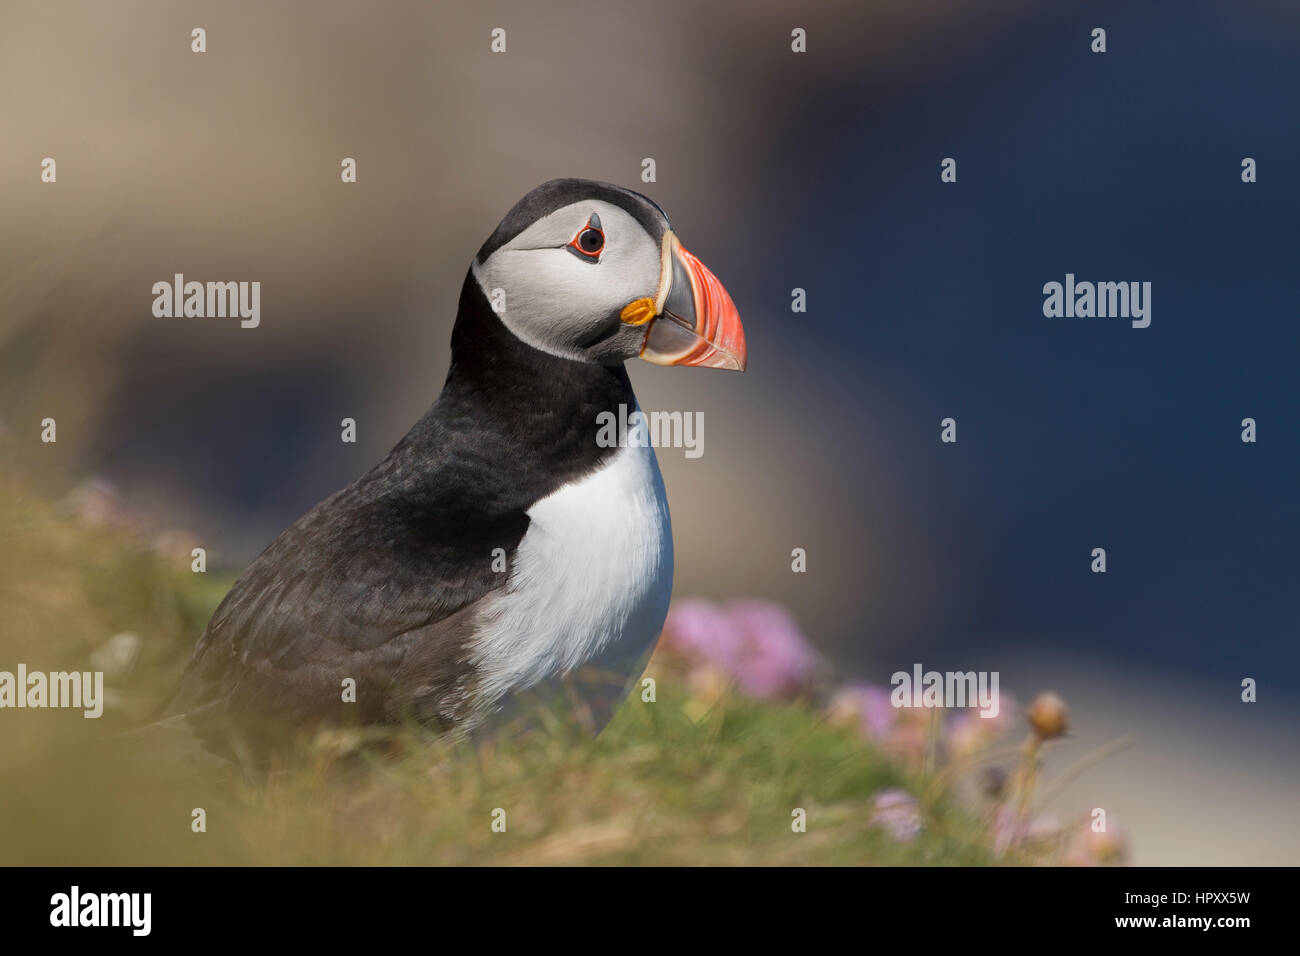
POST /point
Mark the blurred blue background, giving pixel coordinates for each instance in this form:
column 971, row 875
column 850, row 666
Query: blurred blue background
column 1073, row 432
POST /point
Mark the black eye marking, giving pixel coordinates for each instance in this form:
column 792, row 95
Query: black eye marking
column 588, row 244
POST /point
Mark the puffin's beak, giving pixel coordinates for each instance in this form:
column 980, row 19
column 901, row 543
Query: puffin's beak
column 693, row 321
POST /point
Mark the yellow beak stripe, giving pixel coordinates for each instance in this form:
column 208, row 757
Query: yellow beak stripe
column 639, row 312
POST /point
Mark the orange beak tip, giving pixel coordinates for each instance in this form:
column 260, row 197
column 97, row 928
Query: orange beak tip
column 717, row 339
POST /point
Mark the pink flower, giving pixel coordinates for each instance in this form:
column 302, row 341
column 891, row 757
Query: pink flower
column 968, row 732
column 895, row 811
column 1090, row 848
column 97, row 502
column 1008, row 717
column 1012, row 829
column 755, row 643
column 868, row 706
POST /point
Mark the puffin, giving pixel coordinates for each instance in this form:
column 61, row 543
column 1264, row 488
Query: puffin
column 502, row 548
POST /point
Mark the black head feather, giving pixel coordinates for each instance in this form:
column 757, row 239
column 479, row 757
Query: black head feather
column 558, row 193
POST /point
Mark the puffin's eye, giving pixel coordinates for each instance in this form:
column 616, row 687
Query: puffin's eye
column 589, row 242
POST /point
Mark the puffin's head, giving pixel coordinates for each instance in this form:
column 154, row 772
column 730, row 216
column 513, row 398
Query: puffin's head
column 594, row 273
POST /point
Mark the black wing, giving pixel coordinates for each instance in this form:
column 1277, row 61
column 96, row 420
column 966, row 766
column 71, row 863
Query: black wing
column 377, row 583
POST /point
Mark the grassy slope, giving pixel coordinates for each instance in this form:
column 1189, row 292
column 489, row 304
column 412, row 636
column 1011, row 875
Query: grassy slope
column 669, row 782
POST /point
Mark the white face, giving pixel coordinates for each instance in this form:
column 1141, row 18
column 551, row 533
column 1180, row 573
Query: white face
column 565, row 299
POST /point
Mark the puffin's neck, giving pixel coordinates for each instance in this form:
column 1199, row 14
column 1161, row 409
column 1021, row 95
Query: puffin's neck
column 504, row 376
column 518, row 421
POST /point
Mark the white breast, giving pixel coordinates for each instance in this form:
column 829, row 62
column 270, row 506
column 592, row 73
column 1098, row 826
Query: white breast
column 589, row 583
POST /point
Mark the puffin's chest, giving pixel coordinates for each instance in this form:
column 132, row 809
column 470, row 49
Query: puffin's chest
column 590, row 579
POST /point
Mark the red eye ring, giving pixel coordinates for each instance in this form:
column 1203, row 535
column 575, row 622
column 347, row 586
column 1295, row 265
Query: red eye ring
column 589, row 242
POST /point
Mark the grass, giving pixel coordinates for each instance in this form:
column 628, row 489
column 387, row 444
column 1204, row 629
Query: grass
column 678, row 781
